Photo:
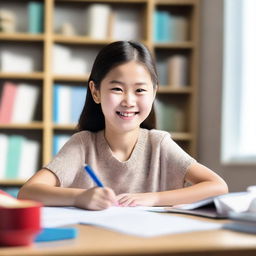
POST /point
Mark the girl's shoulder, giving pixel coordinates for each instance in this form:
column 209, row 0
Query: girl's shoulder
column 156, row 136
column 155, row 133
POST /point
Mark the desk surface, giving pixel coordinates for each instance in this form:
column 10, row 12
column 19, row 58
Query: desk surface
column 97, row 241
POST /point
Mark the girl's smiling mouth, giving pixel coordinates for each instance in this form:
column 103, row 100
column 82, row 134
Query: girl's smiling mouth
column 125, row 115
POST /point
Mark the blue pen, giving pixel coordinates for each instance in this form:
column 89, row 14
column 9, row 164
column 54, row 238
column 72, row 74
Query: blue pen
column 93, row 175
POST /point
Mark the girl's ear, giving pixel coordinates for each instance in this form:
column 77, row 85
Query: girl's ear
column 95, row 93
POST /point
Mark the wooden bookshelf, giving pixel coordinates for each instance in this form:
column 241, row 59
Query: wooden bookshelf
column 45, row 128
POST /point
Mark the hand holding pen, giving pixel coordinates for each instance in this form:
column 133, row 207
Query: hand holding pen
column 96, row 198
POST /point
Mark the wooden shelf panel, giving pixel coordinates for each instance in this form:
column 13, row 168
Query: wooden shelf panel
column 174, row 45
column 174, row 90
column 71, row 78
column 107, row 1
column 12, row 75
column 12, row 182
column 80, row 40
column 64, row 126
column 22, row 37
column 175, row 2
column 30, row 126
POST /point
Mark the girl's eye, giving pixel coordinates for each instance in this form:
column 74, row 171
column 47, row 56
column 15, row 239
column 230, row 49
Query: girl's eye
column 117, row 89
column 140, row 90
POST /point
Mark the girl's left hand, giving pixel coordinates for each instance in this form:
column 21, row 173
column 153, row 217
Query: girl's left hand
column 137, row 199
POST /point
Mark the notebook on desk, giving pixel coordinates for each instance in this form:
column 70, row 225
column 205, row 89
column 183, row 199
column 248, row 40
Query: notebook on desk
column 217, row 207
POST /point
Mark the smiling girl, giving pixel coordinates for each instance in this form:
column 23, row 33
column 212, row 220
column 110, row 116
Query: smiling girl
column 138, row 164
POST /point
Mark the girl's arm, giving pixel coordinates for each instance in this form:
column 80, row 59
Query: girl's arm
column 44, row 187
column 205, row 183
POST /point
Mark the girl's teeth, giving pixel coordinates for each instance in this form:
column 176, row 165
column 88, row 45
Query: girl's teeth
column 126, row 114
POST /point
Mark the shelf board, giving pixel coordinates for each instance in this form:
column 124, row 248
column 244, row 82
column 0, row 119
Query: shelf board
column 80, row 40
column 174, row 90
column 22, row 37
column 64, row 126
column 30, row 126
column 15, row 75
column 174, row 45
column 12, row 182
column 181, row 136
column 108, row 1
column 176, row 2
column 71, row 78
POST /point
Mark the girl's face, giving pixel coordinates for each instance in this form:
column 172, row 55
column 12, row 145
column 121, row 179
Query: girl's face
column 126, row 95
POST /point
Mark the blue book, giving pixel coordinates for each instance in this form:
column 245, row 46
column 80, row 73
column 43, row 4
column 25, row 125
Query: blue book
column 54, row 234
column 78, row 95
column 157, row 28
column 55, row 103
column 13, row 156
column 35, row 17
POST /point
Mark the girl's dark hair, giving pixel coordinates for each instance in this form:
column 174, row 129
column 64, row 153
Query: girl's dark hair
column 112, row 55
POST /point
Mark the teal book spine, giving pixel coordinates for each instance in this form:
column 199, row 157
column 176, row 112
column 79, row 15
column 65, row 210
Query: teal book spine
column 35, row 17
column 13, row 156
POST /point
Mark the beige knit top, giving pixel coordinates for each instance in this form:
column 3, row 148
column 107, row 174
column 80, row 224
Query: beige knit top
column 157, row 163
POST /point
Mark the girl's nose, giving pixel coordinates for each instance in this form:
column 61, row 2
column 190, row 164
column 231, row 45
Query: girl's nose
column 128, row 100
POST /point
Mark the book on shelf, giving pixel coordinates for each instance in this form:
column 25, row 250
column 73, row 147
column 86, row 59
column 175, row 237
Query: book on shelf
column 29, row 159
column 162, row 26
column 62, row 103
column 23, row 111
column 126, row 24
column 18, row 103
column 169, row 27
column 58, row 142
column 162, row 70
column 19, row 157
column 68, row 103
column 177, row 70
column 18, row 59
column 13, row 156
column 7, row 102
column 96, row 20
column 61, row 58
column 64, row 62
column 169, row 117
column 35, row 17
column 180, row 28
column 78, row 94
column 8, row 21
column 3, row 154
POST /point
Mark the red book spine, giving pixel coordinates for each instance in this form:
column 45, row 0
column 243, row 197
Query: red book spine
column 7, row 102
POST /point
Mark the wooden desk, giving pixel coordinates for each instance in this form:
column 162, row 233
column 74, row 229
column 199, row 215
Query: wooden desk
column 97, row 241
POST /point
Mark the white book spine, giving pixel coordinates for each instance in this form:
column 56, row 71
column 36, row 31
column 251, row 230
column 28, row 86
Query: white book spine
column 177, row 70
column 3, row 154
column 29, row 159
column 25, row 103
column 61, row 59
column 126, row 24
column 11, row 62
column 64, row 105
column 97, row 20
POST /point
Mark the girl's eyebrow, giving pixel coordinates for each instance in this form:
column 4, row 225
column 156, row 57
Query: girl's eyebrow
column 122, row 83
column 116, row 82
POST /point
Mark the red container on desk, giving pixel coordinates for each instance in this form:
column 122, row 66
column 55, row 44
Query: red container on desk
column 19, row 224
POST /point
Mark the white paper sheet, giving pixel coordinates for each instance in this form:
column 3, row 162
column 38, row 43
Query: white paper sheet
column 128, row 220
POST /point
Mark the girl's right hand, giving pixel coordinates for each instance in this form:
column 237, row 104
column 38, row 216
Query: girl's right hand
column 96, row 198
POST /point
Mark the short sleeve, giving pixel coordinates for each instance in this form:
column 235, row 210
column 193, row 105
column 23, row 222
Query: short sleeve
column 68, row 162
column 175, row 162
